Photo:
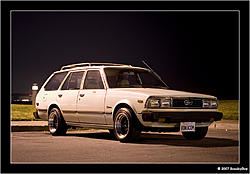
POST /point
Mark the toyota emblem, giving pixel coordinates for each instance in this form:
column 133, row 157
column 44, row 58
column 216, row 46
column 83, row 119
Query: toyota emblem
column 187, row 102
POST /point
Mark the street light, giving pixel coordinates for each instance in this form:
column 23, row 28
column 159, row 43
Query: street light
column 34, row 92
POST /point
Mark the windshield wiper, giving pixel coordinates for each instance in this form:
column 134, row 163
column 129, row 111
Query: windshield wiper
column 152, row 86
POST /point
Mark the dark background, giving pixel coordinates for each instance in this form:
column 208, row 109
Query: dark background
column 191, row 51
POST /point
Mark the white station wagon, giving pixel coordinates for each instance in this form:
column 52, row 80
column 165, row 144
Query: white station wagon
column 123, row 99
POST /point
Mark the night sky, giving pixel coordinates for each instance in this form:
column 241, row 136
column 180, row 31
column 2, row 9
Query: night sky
column 191, row 51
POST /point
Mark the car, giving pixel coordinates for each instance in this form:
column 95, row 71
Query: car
column 123, row 99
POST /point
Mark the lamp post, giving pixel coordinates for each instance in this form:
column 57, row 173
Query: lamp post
column 34, row 92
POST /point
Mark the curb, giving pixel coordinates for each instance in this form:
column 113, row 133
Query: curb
column 226, row 125
column 28, row 128
column 22, row 126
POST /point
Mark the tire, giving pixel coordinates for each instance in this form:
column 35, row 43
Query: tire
column 124, row 125
column 200, row 133
column 56, row 123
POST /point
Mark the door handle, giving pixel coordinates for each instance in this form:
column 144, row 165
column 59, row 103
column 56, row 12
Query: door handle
column 59, row 95
column 82, row 95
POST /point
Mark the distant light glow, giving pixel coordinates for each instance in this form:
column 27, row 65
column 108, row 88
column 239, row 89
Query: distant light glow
column 35, row 88
column 25, row 100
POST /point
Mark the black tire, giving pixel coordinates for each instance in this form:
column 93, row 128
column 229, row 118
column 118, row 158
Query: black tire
column 200, row 133
column 56, row 123
column 125, row 125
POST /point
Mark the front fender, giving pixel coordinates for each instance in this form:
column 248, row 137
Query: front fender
column 124, row 101
column 111, row 113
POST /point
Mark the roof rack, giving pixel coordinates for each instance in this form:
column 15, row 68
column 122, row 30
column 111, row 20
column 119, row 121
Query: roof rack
column 90, row 64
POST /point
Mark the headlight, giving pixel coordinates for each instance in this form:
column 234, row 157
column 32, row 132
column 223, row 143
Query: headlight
column 158, row 102
column 214, row 103
column 210, row 103
column 154, row 103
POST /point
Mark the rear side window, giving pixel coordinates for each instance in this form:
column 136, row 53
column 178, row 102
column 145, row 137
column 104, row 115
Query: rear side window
column 93, row 80
column 55, row 81
column 73, row 81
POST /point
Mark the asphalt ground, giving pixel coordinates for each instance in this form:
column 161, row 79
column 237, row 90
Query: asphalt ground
column 98, row 146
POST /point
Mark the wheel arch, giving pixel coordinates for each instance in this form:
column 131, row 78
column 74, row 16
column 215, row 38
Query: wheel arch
column 53, row 105
column 126, row 105
column 122, row 105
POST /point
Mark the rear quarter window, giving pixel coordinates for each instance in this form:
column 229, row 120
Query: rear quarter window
column 73, row 81
column 55, row 81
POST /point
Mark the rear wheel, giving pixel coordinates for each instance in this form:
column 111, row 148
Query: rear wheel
column 56, row 123
column 200, row 133
column 124, row 126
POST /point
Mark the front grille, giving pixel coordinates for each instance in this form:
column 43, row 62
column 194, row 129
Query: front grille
column 187, row 103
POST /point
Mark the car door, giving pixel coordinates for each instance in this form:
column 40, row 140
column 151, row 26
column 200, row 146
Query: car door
column 68, row 94
column 90, row 106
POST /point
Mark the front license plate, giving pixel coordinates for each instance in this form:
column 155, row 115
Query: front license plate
column 187, row 126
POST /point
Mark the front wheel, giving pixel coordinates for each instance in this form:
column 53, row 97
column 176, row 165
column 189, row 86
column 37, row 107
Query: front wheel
column 56, row 123
column 200, row 133
column 124, row 125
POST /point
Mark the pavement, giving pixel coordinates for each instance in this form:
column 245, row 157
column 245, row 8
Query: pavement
column 85, row 147
column 21, row 126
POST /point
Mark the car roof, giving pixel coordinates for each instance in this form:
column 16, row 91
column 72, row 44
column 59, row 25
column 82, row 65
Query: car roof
column 90, row 64
column 85, row 66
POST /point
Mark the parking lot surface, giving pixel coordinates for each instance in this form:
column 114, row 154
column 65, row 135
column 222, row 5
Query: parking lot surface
column 98, row 146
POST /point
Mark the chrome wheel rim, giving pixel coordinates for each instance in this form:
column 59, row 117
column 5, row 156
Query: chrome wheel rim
column 53, row 122
column 122, row 125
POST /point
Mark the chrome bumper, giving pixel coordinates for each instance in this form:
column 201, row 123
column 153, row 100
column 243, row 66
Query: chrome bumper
column 173, row 119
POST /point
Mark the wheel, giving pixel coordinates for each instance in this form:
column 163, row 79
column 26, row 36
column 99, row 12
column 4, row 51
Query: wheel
column 124, row 126
column 56, row 123
column 200, row 133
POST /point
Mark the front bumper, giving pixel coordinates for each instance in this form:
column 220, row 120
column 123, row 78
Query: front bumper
column 177, row 117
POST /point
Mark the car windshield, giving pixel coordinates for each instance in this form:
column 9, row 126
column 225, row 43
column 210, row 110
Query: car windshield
column 132, row 78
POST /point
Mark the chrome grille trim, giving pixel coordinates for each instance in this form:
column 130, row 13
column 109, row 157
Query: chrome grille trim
column 191, row 102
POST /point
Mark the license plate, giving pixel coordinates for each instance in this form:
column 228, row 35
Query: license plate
column 187, row 126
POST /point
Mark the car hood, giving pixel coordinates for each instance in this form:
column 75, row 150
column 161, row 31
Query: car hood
column 161, row 92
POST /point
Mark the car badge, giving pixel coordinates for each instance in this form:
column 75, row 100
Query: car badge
column 187, row 102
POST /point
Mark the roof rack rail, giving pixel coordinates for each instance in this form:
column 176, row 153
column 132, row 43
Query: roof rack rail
column 90, row 64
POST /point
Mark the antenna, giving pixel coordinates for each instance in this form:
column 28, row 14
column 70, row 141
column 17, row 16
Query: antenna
column 154, row 73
